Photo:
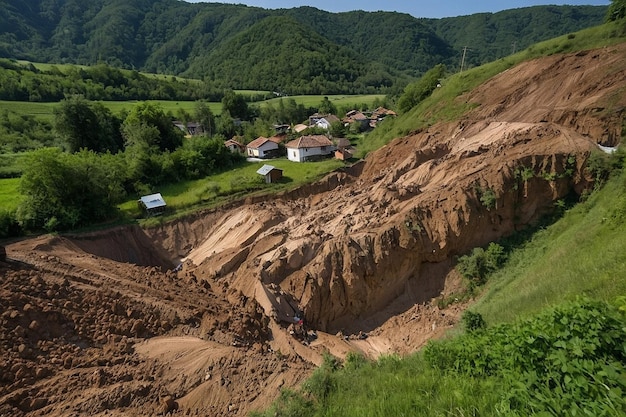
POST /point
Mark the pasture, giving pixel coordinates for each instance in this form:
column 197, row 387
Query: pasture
column 46, row 110
column 236, row 183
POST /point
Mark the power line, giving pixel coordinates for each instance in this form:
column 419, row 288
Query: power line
column 465, row 49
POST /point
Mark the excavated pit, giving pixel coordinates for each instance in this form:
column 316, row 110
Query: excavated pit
column 129, row 244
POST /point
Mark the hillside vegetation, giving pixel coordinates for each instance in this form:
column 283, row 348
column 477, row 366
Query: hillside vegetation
column 296, row 51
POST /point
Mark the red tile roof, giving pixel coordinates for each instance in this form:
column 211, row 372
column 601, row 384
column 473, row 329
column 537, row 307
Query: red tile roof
column 258, row 142
column 311, row 141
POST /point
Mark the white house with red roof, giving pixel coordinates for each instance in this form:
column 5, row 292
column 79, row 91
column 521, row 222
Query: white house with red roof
column 310, row 147
column 261, row 147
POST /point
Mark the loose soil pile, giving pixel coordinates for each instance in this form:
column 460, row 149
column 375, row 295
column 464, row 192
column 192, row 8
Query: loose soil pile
column 102, row 323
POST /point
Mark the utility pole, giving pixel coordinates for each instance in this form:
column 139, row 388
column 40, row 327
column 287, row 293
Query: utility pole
column 514, row 47
column 463, row 58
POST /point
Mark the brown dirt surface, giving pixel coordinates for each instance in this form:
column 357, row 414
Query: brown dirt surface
column 101, row 324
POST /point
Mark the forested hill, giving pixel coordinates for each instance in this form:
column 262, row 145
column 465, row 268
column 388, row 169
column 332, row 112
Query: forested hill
column 300, row 50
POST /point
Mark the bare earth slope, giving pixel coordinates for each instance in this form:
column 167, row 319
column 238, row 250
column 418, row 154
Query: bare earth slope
column 99, row 324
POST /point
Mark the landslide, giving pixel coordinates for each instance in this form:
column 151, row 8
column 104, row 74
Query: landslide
column 101, row 323
column 382, row 234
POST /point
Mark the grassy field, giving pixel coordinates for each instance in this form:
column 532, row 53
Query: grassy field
column 45, row 110
column 237, row 183
column 338, row 100
column 9, row 194
column 37, row 110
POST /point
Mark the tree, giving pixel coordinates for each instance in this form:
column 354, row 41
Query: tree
column 63, row 191
column 85, row 125
column 617, row 10
column 327, row 107
column 152, row 115
column 205, row 117
column 235, row 104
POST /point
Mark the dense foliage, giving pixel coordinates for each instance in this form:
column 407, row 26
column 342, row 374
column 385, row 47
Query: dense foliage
column 567, row 361
column 415, row 92
column 298, row 51
column 19, row 132
column 63, row 191
column 617, row 10
column 85, row 125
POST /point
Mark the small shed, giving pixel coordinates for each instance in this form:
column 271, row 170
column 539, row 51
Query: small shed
column 153, row 204
column 271, row 173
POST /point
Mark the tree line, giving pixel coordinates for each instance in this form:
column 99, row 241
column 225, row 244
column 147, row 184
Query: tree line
column 99, row 82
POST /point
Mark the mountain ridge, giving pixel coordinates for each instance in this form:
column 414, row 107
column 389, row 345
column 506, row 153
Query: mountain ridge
column 166, row 36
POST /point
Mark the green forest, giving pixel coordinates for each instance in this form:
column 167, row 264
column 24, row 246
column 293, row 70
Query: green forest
column 292, row 51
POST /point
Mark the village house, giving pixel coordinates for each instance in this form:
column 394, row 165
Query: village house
column 344, row 149
column 278, row 138
column 235, row 146
column 307, row 148
column 323, row 121
column 281, row 129
column 262, row 147
column 300, row 127
column 379, row 115
column 356, row 117
column 190, row 128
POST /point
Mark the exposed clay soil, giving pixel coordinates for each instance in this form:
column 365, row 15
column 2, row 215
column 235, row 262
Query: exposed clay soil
column 100, row 324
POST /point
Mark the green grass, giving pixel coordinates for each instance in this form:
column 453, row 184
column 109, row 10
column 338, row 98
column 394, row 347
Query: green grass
column 9, row 194
column 37, row 110
column 45, row 110
column 341, row 100
column 227, row 186
column 584, row 253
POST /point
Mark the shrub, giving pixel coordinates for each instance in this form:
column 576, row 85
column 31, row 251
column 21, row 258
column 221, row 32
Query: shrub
column 473, row 321
column 569, row 360
column 476, row 266
column 9, row 226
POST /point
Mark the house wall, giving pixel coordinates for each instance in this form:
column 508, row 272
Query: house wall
column 261, row 151
column 303, row 154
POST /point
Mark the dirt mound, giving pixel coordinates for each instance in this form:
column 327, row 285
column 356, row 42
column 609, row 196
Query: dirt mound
column 101, row 324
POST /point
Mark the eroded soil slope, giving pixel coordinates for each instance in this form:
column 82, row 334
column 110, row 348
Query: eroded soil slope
column 101, row 324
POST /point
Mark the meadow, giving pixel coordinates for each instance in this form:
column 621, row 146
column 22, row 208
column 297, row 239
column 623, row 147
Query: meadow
column 221, row 188
column 46, row 110
column 9, row 194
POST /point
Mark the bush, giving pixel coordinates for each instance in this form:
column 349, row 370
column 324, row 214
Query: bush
column 9, row 226
column 480, row 263
column 567, row 361
column 473, row 321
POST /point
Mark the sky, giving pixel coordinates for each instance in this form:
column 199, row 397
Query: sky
column 416, row 8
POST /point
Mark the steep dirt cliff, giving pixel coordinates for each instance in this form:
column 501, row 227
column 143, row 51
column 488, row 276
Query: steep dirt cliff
column 101, row 324
column 347, row 251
